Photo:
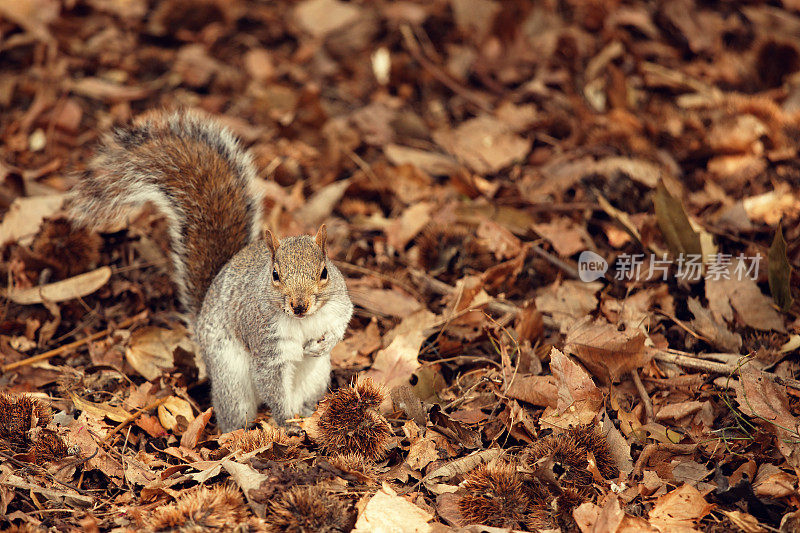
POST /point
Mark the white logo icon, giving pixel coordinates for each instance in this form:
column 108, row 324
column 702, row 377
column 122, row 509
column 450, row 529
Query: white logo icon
column 591, row 266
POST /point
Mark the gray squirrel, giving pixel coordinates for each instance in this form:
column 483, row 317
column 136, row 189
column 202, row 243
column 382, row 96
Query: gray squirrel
column 266, row 313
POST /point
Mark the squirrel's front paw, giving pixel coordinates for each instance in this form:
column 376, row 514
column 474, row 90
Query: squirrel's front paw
column 315, row 347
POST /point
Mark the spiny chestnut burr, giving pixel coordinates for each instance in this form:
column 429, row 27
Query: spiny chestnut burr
column 349, row 421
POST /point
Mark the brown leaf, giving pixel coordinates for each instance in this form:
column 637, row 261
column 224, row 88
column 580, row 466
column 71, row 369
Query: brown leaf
column 33, row 15
column 408, row 225
column 322, row 17
column 680, row 510
column 191, row 436
column 501, row 242
column 248, row 480
column 385, row 302
column 60, row 291
column 151, row 349
column 434, row 163
column 774, row 483
column 174, row 414
column 423, row 449
column 675, row 226
column 762, row 399
column 536, row 390
column 579, row 399
column 565, row 236
column 606, row 351
column 676, row 411
column 25, row 216
column 100, row 89
column 386, row 511
column 568, row 301
column 743, row 294
column 475, row 17
column 484, row 144
column 394, row 364
column 712, row 330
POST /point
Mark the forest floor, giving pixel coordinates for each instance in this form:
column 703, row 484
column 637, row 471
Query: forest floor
column 570, row 230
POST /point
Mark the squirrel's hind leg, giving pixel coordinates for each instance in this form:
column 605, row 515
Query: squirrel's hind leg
column 232, row 394
column 316, row 378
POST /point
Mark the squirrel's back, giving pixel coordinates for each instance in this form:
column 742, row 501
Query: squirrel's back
column 196, row 173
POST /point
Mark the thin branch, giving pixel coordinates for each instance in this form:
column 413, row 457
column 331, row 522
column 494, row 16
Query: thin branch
column 67, row 347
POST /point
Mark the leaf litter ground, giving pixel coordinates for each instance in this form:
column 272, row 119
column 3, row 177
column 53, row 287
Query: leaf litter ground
column 464, row 155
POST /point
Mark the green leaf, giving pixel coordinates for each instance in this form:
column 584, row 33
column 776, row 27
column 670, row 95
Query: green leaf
column 779, row 271
column 674, row 223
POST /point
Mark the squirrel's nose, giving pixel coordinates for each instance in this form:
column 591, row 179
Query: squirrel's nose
column 299, row 308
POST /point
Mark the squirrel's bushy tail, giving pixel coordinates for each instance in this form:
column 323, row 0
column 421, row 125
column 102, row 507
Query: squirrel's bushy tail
column 194, row 171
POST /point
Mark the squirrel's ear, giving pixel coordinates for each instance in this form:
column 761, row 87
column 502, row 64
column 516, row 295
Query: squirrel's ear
column 272, row 242
column 322, row 238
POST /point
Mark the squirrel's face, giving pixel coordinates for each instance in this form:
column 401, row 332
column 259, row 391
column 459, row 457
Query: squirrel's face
column 300, row 274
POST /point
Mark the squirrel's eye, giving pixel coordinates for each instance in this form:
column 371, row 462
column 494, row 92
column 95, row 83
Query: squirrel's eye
column 324, row 273
column 275, row 276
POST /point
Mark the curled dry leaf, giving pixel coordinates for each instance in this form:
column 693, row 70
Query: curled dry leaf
column 568, row 301
column 151, row 349
column 394, row 364
column 762, row 399
column 780, row 271
column 322, row 17
column 675, row 226
column 741, row 293
column 248, row 480
column 25, row 216
column 579, row 399
column 409, row 224
column 320, row 205
column 484, row 144
column 172, row 411
column 434, row 163
column 680, row 509
column 708, row 327
column 606, row 351
column 386, row 511
column 536, row 390
column 60, row 291
column 383, row 302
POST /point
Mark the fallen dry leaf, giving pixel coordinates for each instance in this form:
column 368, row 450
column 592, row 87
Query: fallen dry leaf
column 608, row 352
column 708, row 327
column 386, row 512
column 484, row 144
column 151, row 349
column 680, row 510
column 753, row 307
column 322, row 17
column 579, row 399
column 434, row 163
column 394, row 364
column 762, row 399
column 25, row 217
column 568, row 301
column 536, row 390
column 174, row 414
column 60, row 291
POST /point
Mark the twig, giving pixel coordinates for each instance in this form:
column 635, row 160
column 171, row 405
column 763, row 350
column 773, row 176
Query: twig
column 133, row 417
column 380, row 275
column 555, row 261
column 414, row 49
column 718, row 368
column 440, row 287
column 648, row 405
column 67, row 347
column 694, row 362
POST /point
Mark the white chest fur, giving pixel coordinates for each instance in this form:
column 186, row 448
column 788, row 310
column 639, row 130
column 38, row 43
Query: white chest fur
column 294, row 333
